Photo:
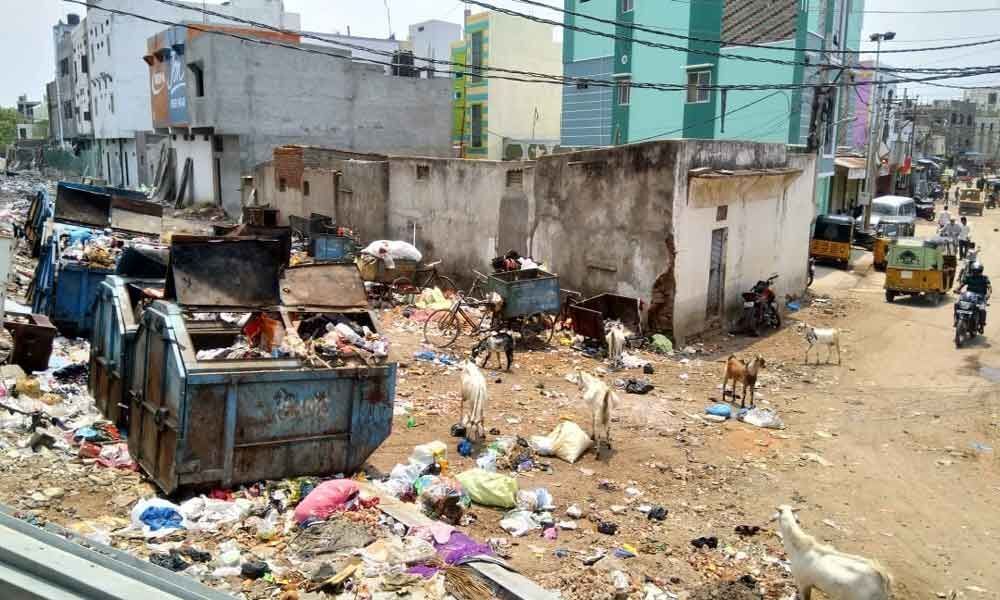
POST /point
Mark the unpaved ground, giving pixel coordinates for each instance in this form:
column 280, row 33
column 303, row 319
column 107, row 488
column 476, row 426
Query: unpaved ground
column 887, row 453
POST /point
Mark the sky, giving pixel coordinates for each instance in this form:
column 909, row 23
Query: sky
column 26, row 33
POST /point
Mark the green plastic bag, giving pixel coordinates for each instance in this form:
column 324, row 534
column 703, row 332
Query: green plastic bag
column 662, row 344
column 489, row 489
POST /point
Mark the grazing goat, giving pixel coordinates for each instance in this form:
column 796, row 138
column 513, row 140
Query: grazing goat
column 839, row 575
column 473, row 392
column 600, row 399
column 746, row 373
column 616, row 342
column 499, row 343
column 823, row 337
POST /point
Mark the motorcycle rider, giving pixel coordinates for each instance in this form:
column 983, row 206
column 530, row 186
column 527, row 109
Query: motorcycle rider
column 979, row 284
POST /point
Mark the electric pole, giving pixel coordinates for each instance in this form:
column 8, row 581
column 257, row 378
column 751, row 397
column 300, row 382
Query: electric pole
column 874, row 101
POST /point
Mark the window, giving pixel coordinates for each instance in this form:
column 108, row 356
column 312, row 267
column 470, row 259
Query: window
column 112, row 103
column 476, row 56
column 696, row 81
column 199, row 79
column 628, row 5
column 64, row 67
column 722, row 212
column 421, row 28
column 22, row 132
column 624, row 91
column 86, row 115
column 305, row 188
column 515, row 179
column 459, row 74
column 217, row 145
column 282, row 184
column 954, row 118
column 67, row 110
column 477, row 125
column 423, row 172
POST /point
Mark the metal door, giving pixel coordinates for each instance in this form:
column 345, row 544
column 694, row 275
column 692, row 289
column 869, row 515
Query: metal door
column 717, row 274
column 154, row 410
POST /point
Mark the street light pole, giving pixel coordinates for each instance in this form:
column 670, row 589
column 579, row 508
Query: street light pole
column 874, row 100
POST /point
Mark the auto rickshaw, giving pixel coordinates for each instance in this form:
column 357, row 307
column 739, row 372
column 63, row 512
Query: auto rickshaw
column 920, row 267
column 831, row 240
column 970, row 202
column 888, row 229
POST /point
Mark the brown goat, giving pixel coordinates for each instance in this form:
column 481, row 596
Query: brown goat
column 745, row 373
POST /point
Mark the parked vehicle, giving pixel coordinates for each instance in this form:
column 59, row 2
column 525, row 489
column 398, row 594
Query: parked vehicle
column 919, row 267
column 760, row 308
column 889, row 206
column 967, row 318
column 832, row 239
column 888, row 229
column 925, row 208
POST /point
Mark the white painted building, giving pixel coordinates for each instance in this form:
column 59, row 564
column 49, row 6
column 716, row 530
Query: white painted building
column 119, row 79
column 363, row 49
column 80, row 94
column 433, row 40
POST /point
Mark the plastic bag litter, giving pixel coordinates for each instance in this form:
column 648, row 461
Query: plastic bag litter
column 567, row 442
column 157, row 517
column 662, row 344
column 762, row 417
column 489, row 489
column 630, row 361
column 326, row 499
column 487, row 461
column 426, row 454
column 228, row 554
column 519, row 522
column 398, row 250
column 536, row 500
column 206, row 514
column 432, row 299
column 460, row 546
column 445, row 500
column 720, row 410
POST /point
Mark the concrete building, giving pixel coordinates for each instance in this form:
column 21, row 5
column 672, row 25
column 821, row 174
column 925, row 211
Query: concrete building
column 80, row 92
column 226, row 104
column 686, row 226
column 367, row 50
column 119, row 82
column 599, row 116
column 503, row 119
column 433, row 39
column 60, row 92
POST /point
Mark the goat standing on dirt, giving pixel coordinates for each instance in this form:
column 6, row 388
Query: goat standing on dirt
column 600, row 399
column 473, row 392
column 823, row 337
column 746, row 373
column 839, row 575
column 615, row 339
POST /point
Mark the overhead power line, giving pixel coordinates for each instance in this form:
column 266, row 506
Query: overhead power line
column 660, row 31
column 712, row 120
column 486, row 71
column 871, row 12
column 684, row 49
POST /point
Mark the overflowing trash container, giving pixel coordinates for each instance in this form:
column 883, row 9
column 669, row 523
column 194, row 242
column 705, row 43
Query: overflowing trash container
column 250, row 370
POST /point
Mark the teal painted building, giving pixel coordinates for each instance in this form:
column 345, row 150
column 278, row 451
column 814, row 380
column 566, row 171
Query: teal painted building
column 602, row 116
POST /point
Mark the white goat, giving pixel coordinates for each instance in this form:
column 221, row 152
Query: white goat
column 473, row 392
column 615, row 339
column 823, row 337
column 600, row 399
column 839, row 575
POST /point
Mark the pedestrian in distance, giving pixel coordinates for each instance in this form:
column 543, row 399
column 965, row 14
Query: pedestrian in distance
column 963, row 238
column 944, row 218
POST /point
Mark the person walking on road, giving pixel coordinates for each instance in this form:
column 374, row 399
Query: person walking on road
column 944, row 218
column 963, row 238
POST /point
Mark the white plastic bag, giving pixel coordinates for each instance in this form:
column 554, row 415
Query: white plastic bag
column 425, row 454
column 398, row 250
column 568, row 441
column 763, row 417
column 519, row 522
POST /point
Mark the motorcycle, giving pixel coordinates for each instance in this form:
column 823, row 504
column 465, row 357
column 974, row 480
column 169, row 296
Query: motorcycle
column 760, row 308
column 967, row 317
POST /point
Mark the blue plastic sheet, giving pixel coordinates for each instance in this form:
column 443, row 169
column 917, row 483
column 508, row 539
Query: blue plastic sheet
column 157, row 518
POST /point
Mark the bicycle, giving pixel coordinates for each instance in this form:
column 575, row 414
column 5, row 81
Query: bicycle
column 423, row 278
column 444, row 325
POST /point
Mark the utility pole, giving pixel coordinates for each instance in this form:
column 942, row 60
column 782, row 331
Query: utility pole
column 874, row 100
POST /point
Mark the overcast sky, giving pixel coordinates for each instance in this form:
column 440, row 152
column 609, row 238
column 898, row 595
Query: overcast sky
column 27, row 48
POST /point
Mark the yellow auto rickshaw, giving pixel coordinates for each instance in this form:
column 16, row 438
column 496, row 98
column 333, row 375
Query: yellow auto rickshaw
column 920, row 267
column 970, row 202
column 888, row 229
column 832, row 238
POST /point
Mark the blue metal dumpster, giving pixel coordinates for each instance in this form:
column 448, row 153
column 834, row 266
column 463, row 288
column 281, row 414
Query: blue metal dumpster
column 118, row 305
column 223, row 422
column 526, row 292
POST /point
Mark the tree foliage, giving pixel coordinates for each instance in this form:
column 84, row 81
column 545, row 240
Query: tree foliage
column 8, row 126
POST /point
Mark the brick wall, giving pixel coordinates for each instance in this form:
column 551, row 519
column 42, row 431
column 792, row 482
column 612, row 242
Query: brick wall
column 289, row 165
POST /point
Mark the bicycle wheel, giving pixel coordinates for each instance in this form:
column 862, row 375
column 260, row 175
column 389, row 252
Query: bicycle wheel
column 446, row 285
column 442, row 328
column 537, row 329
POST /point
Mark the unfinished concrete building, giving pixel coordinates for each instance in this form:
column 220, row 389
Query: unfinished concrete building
column 226, row 103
